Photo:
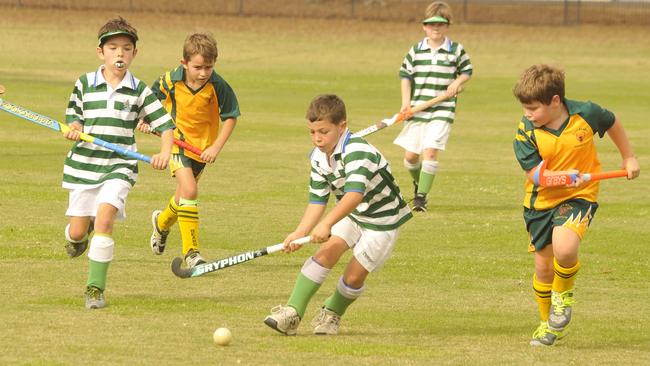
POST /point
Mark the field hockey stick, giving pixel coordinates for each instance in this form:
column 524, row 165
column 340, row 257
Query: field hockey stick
column 399, row 117
column 556, row 180
column 184, row 145
column 61, row 127
column 219, row 264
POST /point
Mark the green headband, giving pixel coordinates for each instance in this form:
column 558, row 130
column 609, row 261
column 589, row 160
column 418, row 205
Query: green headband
column 105, row 36
column 436, row 19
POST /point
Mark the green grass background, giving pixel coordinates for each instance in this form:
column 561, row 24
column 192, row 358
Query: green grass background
column 458, row 287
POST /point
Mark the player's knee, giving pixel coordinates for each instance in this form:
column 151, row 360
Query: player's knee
column 411, row 158
column 75, row 233
column 101, row 248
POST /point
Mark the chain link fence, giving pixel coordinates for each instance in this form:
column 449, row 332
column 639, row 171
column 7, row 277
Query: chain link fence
column 533, row 12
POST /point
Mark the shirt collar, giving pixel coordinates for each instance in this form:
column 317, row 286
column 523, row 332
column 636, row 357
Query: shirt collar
column 128, row 81
column 321, row 157
column 444, row 46
column 343, row 141
column 178, row 74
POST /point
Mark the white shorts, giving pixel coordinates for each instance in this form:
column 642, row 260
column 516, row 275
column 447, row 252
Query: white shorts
column 370, row 247
column 85, row 202
column 417, row 136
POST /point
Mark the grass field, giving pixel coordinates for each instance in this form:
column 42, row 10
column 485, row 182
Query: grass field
column 458, row 288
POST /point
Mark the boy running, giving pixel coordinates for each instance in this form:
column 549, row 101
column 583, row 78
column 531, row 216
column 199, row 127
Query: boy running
column 561, row 133
column 107, row 103
column 366, row 218
column 197, row 98
column 434, row 66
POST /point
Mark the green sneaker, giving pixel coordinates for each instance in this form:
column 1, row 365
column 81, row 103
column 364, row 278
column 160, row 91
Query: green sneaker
column 95, row 298
column 560, row 314
column 544, row 336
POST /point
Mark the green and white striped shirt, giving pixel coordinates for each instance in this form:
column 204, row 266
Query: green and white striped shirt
column 357, row 166
column 431, row 71
column 111, row 115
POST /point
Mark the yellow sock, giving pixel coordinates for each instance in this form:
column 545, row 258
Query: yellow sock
column 188, row 221
column 168, row 216
column 565, row 278
column 543, row 297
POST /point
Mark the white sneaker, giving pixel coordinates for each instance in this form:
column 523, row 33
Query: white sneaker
column 94, row 298
column 284, row 319
column 158, row 237
column 193, row 258
column 326, row 322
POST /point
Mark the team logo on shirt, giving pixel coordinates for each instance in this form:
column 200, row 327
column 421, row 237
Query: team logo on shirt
column 127, row 106
column 581, row 134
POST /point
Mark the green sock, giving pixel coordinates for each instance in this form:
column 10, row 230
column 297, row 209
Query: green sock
column 425, row 182
column 338, row 303
column 303, row 291
column 97, row 272
column 415, row 174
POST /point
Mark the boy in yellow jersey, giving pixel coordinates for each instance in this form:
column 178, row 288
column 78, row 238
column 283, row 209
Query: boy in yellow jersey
column 561, row 133
column 197, row 99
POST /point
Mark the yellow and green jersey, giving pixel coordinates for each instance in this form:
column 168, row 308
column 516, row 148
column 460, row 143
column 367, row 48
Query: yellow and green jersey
column 196, row 112
column 570, row 147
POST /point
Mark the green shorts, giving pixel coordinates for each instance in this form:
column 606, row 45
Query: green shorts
column 574, row 214
column 178, row 161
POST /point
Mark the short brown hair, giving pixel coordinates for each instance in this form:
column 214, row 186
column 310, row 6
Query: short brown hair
column 326, row 107
column 200, row 43
column 119, row 26
column 539, row 83
column 439, row 8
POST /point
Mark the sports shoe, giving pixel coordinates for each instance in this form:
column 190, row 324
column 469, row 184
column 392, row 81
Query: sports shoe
column 94, row 298
column 193, row 258
column 560, row 313
column 326, row 322
column 284, row 319
column 544, row 336
column 158, row 237
column 75, row 249
column 420, row 202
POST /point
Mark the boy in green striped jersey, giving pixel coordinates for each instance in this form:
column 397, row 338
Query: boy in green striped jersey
column 434, row 66
column 366, row 218
column 107, row 103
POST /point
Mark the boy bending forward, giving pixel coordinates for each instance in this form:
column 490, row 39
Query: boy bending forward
column 366, row 218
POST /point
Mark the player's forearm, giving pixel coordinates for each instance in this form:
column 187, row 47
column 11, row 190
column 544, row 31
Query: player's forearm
column 619, row 137
column 344, row 207
column 226, row 130
column 310, row 218
column 405, row 88
column 167, row 142
column 462, row 79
